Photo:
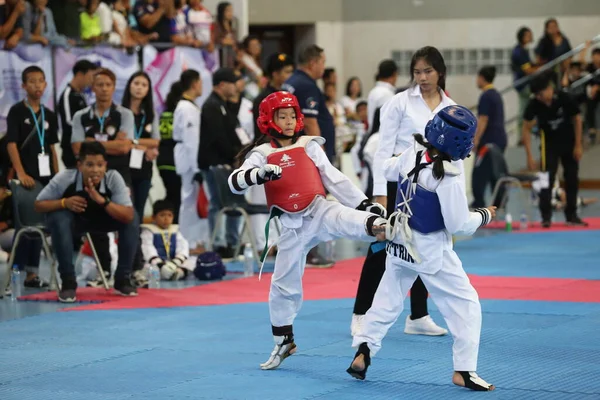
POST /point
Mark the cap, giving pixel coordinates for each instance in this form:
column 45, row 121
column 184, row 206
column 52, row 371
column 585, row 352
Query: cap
column 225, row 75
column 276, row 62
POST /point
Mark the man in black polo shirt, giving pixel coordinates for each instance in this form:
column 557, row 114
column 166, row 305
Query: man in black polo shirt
column 303, row 84
column 219, row 144
column 31, row 137
column 72, row 100
column 278, row 69
column 85, row 198
column 560, row 126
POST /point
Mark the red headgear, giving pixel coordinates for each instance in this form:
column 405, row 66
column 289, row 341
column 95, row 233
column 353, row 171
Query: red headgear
column 274, row 102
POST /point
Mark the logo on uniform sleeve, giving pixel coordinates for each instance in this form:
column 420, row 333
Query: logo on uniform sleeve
column 311, row 103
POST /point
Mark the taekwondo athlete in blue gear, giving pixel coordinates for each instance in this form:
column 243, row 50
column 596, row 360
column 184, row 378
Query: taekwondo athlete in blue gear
column 431, row 207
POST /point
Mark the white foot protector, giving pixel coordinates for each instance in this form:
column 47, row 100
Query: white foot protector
column 356, row 325
column 284, row 348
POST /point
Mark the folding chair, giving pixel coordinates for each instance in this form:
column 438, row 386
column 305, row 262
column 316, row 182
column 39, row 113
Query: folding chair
column 234, row 205
column 29, row 223
column 510, row 181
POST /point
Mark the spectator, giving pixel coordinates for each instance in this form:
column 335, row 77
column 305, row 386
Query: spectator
column 250, row 59
column 166, row 158
column 158, row 21
column 89, row 198
column 225, row 34
column 593, row 96
column 164, row 246
column 11, row 23
column 200, row 21
column 91, row 28
column 219, row 144
column 330, row 76
column 120, row 33
column 39, row 27
column 522, row 66
column 333, row 106
column 385, row 88
column 72, row 100
column 553, row 45
column 32, row 132
column 242, row 107
column 278, row 69
column 66, row 17
column 353, row 95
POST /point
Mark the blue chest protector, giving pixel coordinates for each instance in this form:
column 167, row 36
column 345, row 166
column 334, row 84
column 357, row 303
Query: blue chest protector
column 159, row 243
column 422, row 205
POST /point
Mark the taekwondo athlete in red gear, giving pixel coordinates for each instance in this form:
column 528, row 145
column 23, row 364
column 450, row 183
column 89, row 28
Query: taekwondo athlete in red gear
column 296, row 172
column 431, row 207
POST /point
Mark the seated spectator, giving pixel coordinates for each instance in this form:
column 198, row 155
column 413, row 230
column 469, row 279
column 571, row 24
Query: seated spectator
column 11, row 23
column 164, row 246
column 38, row 25
column 90, row 198
column 225, row 34
column 91, row 29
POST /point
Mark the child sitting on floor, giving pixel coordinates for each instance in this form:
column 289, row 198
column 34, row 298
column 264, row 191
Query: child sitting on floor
column 163, row 245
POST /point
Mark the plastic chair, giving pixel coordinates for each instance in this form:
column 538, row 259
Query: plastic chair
column 234, row 205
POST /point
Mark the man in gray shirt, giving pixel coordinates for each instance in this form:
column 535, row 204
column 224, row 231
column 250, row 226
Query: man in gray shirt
column 89, row 198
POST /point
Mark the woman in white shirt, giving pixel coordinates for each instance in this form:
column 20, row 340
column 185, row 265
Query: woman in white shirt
column 402, row 116
column 352, row 97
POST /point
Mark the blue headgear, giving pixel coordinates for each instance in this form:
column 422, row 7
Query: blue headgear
column 451, row 131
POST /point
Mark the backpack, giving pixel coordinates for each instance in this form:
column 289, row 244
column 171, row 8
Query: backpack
column 209, row 267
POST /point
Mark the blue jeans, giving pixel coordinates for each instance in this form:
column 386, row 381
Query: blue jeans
column 27, row 253
column 63, row 223
column 232, row 224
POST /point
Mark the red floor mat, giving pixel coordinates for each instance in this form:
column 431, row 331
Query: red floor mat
column 533, row 227
column 339, row 282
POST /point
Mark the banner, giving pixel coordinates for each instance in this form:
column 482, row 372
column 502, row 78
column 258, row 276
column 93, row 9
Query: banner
column 13, row 63
column 164, row 68
column 118, row 61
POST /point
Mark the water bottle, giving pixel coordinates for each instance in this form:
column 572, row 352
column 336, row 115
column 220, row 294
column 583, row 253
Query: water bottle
column 523, row 222
column 15, row 283
column 154, row 277
column 248, row 260
column 508, row 220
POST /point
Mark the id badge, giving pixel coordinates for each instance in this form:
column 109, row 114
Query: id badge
column 101, row 137
column 136, row 159
column 44, row 165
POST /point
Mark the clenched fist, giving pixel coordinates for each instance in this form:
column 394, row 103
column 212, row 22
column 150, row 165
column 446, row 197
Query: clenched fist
column 269, row 172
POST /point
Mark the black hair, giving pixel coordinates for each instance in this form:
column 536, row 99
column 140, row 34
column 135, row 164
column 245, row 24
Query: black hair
column 174, row 96
column 521, row 34
column 488, row 73
column 546, row 45
column 328, row 84
column 91, row 149
column 83, row 66
column 349, row 85
column 147, row 105
column 433, row 57
column 596, row 51
column 221, row 7
column 541, row 82
column 31, row 70
column 361, row 104
column 438, row 156
column 327, row 73
column 162, row 205
column 309, row 54
column 187, row 79
column 241, row 156
column 247, row 40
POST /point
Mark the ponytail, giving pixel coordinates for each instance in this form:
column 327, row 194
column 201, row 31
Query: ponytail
column 436, row 155
column 241, row 156
column 174, row 96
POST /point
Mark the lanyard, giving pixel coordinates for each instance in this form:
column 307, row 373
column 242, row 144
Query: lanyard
column 140, row 129
column 167, row 242
column 102, row 118
column 41, row 131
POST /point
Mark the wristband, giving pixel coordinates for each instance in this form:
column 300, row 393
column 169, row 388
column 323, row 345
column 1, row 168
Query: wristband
column 106, row 202
column 62, row 203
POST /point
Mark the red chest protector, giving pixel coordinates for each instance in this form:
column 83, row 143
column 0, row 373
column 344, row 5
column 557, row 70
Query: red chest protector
column 300, row 181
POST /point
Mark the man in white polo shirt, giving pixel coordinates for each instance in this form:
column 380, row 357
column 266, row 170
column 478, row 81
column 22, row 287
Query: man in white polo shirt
column 384, row 89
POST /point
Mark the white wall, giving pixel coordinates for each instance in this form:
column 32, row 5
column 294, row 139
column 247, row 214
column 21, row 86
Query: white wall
column 367, row 42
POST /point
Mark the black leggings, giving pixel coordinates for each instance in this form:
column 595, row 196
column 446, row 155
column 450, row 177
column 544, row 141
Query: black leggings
column 374, row 267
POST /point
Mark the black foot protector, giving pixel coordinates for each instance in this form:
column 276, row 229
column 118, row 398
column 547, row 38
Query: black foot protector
column 364, row 350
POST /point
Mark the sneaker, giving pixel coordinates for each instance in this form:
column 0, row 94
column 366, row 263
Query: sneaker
column 576, row 221
column 423, row 326
column 68, row 291
column 125, row 288
column 140, row 279
column 315, row 260
column 356, row 325
column 35, row 282
column 98, row 281
column 546, row 223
